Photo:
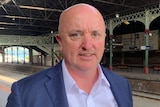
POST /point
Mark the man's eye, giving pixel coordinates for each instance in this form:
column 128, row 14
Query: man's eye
column 95, row 35
column 75, row 36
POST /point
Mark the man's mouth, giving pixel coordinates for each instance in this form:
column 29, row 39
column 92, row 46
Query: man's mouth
column 86, row 54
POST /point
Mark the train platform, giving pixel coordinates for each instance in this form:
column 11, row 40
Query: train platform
column 142, row 82
column 139, row 74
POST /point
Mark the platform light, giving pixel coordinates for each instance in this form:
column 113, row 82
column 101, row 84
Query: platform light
column 117, row 15
column 126, row 22
column 51, row 31
column 150, row 34
column 113, row 40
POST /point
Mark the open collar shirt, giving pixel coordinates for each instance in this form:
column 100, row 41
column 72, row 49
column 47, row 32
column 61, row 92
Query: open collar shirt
column 100, row 95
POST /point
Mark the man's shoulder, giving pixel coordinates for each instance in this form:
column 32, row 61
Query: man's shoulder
column 116, row 81
column 41, row 76
column 113, row 75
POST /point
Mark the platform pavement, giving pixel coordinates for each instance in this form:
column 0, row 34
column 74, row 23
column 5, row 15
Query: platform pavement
column 139, row 73
column 134, row 73
column 7, row 77
column 11, row 76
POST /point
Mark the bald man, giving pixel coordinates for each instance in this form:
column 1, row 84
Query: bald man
column 78, row 80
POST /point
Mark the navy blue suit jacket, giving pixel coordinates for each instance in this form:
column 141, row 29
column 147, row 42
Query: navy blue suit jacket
column 46, row 89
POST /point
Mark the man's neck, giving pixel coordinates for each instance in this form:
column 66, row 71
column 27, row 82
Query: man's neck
column 85, row 80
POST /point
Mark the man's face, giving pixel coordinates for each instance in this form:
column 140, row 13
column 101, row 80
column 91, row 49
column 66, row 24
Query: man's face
column 82, row 40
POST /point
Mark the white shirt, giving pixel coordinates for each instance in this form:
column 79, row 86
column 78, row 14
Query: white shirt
column 100, row 95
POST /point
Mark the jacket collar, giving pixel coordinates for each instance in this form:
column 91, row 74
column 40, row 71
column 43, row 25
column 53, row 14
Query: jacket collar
column 55, row 87
column 114, row 86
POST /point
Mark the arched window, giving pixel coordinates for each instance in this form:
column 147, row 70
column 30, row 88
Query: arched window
column 16, row 54
column 1, row 59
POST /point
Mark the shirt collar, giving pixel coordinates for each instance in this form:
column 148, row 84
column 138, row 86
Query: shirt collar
column 102, row 77
column 70, row 83
column 68, row 80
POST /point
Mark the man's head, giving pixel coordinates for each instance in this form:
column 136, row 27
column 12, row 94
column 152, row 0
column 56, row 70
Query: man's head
column 81, row 37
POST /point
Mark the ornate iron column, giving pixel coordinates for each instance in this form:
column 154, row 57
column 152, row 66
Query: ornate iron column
column 146, row 68
column 111, row 53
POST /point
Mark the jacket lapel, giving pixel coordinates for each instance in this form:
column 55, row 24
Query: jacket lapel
column 112, row 80
column 55, row 87
column 117, row 95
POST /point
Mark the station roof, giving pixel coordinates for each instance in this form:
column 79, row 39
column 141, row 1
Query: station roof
column 39, row 17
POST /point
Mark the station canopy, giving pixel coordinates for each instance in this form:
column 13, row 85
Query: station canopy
column 39, row 17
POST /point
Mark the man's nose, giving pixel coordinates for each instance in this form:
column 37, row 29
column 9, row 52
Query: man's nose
column 87, row 42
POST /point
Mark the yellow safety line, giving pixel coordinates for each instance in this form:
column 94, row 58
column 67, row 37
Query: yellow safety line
column 10, row 80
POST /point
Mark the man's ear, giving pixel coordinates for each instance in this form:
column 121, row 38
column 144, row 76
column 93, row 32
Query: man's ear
column 59, row 40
